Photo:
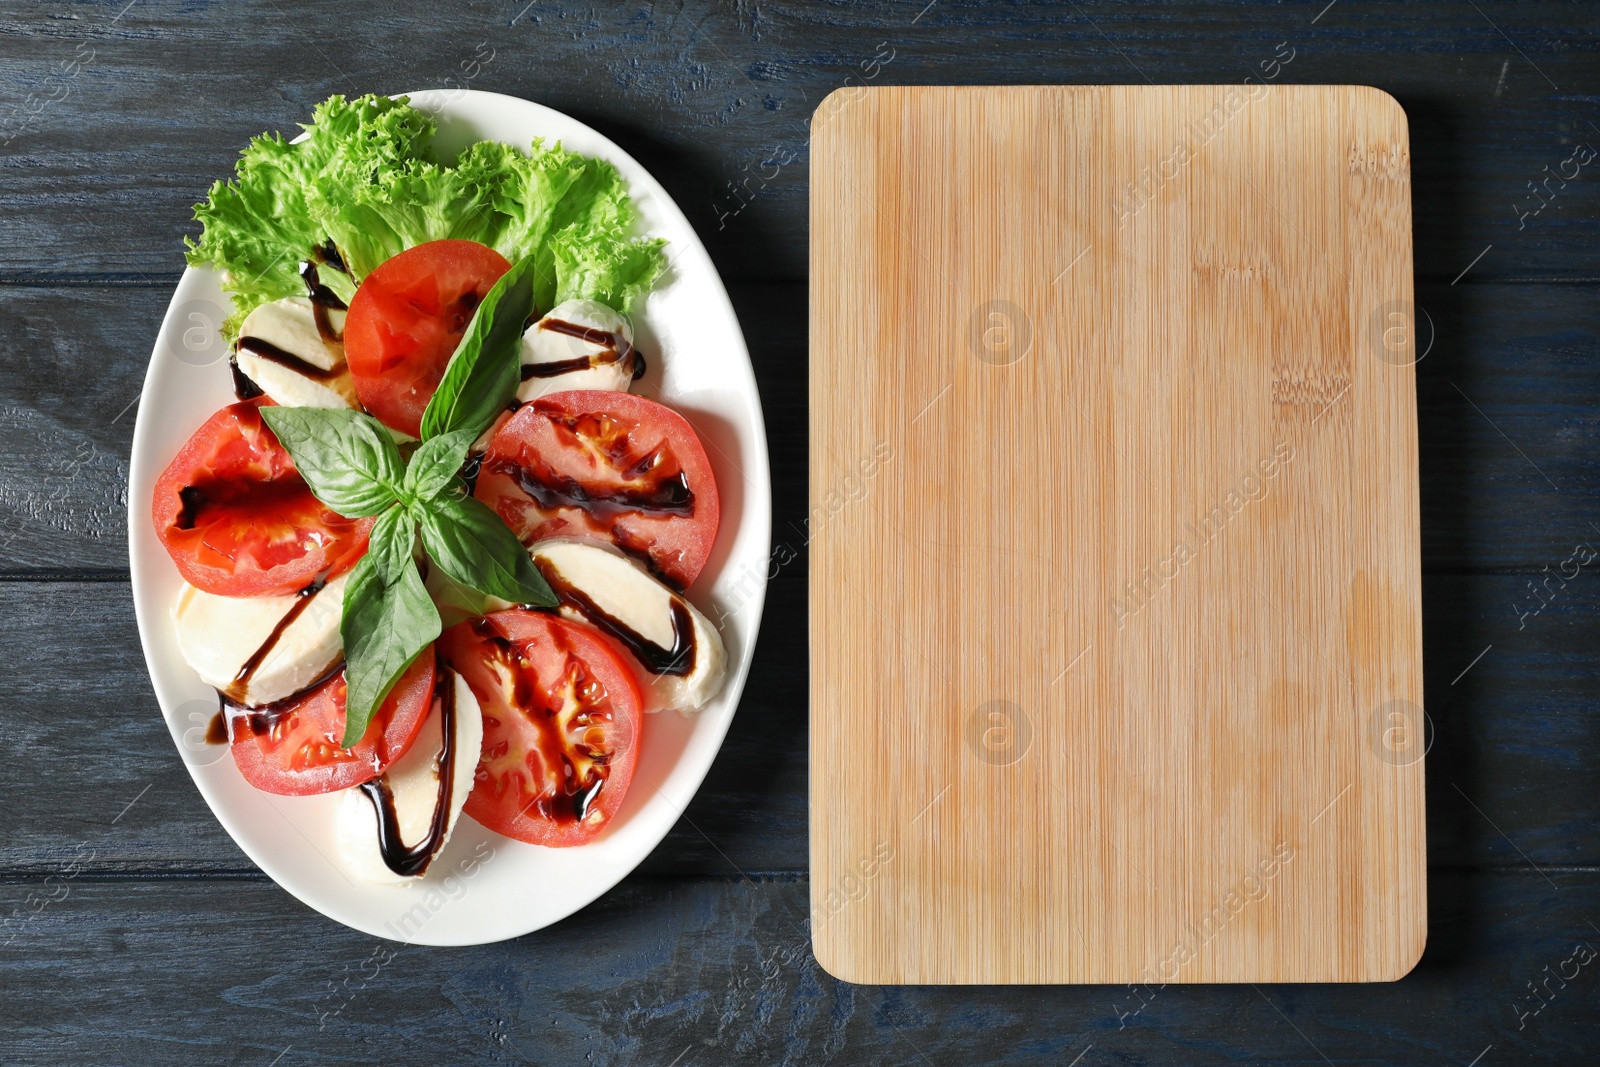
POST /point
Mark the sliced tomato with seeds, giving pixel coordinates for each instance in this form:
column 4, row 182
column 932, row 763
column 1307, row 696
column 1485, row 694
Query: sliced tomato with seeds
column 405, row 321
column 292, row 747
column 560, row 725
column 237, row 518
column 612, row 466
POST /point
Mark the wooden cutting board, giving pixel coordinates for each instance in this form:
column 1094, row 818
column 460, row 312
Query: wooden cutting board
column 1116, row 660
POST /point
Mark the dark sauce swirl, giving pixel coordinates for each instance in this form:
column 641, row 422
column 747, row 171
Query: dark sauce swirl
column 575, row 794
column 678, row 660
column 192, row 499
column 243, row 387
column 324, row 299
column 615, row 349
column 410, row 861
column 243, row 721
column 273, row 354
column 217, row 729
column 666, row 496
column 302, row 600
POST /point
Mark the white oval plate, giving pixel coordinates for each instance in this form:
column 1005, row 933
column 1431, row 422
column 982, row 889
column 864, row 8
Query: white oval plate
column 483, row 887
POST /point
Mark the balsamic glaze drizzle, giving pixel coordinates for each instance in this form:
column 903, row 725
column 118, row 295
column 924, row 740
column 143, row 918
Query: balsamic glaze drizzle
column 669, row 496
column 678, row 660
column 191, row 498
column 260, row 721
column 328, row 255
column 302, row 600
column 243, row 387
column 470, row 469
column 616, row 350
column 217, row 729
column 273, row 354
column 324, row 299
column 409, row 861
column 572, row 798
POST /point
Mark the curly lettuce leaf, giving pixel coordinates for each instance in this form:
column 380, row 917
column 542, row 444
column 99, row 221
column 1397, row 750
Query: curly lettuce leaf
column 366, row 178
column 257, row 228
column 584, row 246
column 374, row 213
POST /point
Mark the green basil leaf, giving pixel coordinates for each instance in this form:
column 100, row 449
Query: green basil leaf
column 471, row 544
column 481, row 378
column 434, row 463
column 392, row 543
column 456, row 603
column 385, row 627
column 347, row 458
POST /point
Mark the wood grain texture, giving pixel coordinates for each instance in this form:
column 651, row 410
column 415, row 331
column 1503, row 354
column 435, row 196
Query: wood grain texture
column 1527, row 356
column 1528, row 702
column 715, row 99
column 174, row 950
column 717, row 972
column 1132, row 617
column 144, row 815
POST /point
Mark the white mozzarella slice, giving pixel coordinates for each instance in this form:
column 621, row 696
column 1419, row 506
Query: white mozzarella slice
column 218, row 635
column 413, row 782
column 631, row 596
column 609, row 365
column 290, row 325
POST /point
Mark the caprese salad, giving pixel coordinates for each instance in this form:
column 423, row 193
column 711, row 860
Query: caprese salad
column 435, row 556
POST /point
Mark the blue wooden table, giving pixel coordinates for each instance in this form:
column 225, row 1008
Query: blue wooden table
column 134, row 931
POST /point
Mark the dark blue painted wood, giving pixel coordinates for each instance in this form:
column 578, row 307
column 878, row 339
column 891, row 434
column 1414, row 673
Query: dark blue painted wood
column 717, row 972
column 716, row 98
column 169, row 947
column 1527, row 355
column 1515, row 735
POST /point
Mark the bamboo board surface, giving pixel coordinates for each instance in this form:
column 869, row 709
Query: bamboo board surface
column 1116, row 668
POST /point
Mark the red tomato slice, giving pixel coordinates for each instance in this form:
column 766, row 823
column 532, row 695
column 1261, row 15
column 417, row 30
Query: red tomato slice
column 405, row 322
column 238, row 519
column 607, row 465
column 292, row 747
column 560, row 725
